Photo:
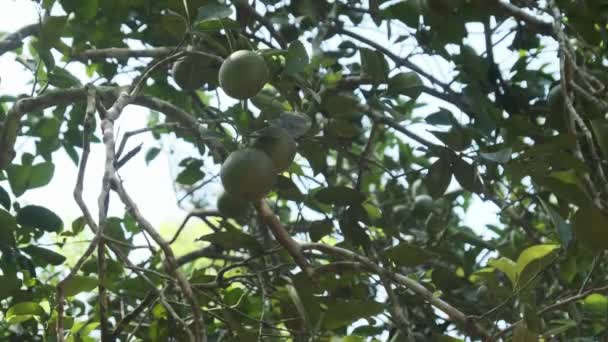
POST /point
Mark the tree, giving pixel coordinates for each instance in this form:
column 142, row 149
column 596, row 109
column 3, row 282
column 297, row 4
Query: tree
column 362, row 237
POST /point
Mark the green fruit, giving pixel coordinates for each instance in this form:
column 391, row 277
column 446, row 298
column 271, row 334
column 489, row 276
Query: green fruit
column 278, row 145
column 192, row 72
column 243, row 74
column 232, row 206
column 248, row 173
column 423, row 205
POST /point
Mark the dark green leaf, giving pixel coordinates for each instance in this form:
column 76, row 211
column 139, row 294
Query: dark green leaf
column 319, row 229
column 39, row 217
column 373, row 65
column 296, row 59
column 408, row 12
column 408, row 255
column 501, row 156
column 562, row 228
column 339, row 196
column 43, row 256
column 233, row 240
column 5, row 199
column 9, row 285
column 78, row 283
column 213, row 11
column 589, row 226
column 343, row 313
column 406, row 83
column 151, row 154
column 439, row 176
column 466, row 175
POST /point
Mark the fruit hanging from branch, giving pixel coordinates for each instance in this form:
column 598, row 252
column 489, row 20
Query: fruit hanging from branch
column 243, row 74
column 248, row 173
column 233, row 206
column 278, row 144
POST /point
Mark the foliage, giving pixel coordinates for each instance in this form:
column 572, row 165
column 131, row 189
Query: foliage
column 343, row 255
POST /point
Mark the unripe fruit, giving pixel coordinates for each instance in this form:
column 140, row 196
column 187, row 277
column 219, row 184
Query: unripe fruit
column 277, row 144
column 423, row 205
column 248, row 173
column 232, row 206
column 243, row 74
column 192, row 72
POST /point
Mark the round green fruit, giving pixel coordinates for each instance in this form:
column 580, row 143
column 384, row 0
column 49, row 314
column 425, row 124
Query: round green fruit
column 243, row 74
column 278, row 144
column 423, row 205
column 193, row 71
column 248, row 173
column 232, row 206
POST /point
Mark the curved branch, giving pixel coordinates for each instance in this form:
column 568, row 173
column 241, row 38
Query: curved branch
column 10, row 129
column 455, row 315
column 126, row 53
column 14, row 40
column 279, row 232
column 538, row 24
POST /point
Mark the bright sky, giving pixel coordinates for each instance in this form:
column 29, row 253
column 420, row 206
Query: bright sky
column 149, row 185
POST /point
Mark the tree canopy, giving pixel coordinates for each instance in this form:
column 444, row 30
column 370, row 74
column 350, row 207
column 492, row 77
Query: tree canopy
column 401, row 113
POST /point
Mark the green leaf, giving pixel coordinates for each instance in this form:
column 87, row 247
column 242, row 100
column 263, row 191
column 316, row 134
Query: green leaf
column 501, row 156
column 408, row 255
column 39, row 217
column 507, row 266
column 522, row 334
column 216, row 25
column 10, row 285
column 339, row 196
column 85, row 10
column 61, row 78
column 8, row 224
column 151, row 154
column 562, row 228
column 406, row 83
column 23, row 311
column 43, row 256
column 407, row 11
column 233, row 240
column 343, row 313
column 439, row 176
column 373, row 65
column 52, row 29
column 213, row 11
column 600, row 129
column 5, row 199
column 192, row 173
column 589, row 226
column 441, row 117
column 296, row 59
column 530, row 261
column 319, row 229
column 466, row 175
column 340, row 105
column 79, row 283
column 25, row 177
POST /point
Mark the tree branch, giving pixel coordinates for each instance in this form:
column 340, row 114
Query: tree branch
column 540, row 25
column 455, row 315
column 279, row 232
column 14, row 40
